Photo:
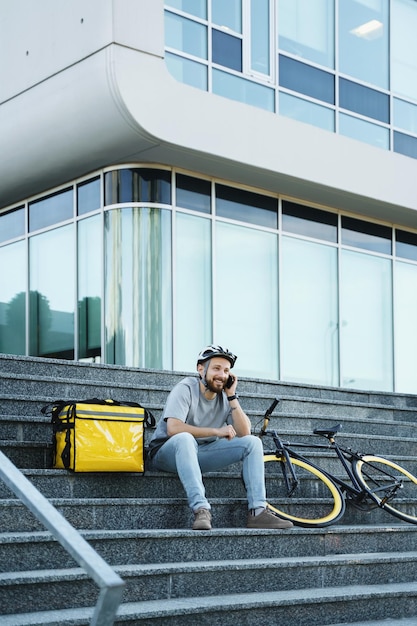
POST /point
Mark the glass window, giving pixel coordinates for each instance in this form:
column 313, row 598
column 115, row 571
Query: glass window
column 193, row 314
column 405, row 115
column 366, row 322
column 51, row 210
column 306, row 29
column 246, row 298
column 303, row 220
column 305, row 111
column 404, row 48
column 406, row 245
column 405, row 327
column 185, row 35
column 138, row 287
column 52, row 291
column 246, row 206
column 260, row 37
column 137, row 185
column 363, row 40
column 187, row 71
column 366, row 235
column 242, row 90
column 228, row 14
column 193, row 193
column 363, row 100
column 364, row 131
column 13, row 299
column 194, row 7
column 88, row 196
column 226, row 50
column 306, row 79
column 404, row 144
column 12, row 224
column 90, row 280
column 309, row 313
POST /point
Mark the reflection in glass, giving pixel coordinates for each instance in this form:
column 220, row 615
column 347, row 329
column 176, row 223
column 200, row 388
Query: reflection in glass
column 246, row 206
column 193, row 289
column 405, row 327
column 305, row 111
column 363, row 41
column 51, row 210
column 309, row 313
column 406, row 244
column 88, row 196
column 13, row 299
column 12, row 224
column 237, row 88
column 405, row 115
column 306, row 79
column 366, row 322
column 306, row 29
column 246, row 298
column 304, row 220
column 90, row 264
column 364, row 100
column 227, row 14
column 194, row 7
column 186, row 71
column 260, row 37
column 185, row 35
column 366, row 235
column 137, row 185
column 404, row 144
column 193, row 193
column 404, row 48
column 364, row 131
column 226, row 50
column 51, row 296
column 138, row 286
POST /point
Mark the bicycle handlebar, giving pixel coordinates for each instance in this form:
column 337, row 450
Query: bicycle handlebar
column 268, row 414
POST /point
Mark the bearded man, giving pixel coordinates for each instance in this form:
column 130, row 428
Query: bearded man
column 204, row 429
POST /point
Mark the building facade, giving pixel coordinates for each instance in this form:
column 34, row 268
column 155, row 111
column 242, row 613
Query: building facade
column 195, row 171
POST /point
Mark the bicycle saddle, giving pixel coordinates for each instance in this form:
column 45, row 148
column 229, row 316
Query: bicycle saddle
column 328, row 432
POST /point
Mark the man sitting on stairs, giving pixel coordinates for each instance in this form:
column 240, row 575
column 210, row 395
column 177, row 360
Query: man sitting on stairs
column 204, row 429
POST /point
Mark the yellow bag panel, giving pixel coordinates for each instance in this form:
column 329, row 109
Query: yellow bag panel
column 103, row 439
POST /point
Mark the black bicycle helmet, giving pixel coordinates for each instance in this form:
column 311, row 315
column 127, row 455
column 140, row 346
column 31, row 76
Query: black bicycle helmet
column 211, row 351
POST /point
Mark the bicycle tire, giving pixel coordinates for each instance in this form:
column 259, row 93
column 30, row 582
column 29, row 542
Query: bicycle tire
column 328, row 504
column 371, row 471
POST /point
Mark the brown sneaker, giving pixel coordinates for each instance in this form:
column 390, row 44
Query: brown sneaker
column 267, row 519
column 202, row 520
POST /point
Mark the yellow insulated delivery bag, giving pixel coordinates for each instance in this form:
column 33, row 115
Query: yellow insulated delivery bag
column 98, row 435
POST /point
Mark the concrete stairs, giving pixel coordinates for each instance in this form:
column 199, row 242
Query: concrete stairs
column 361, row 571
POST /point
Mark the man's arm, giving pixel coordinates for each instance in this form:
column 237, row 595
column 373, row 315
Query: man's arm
column 175, row 426
column 240, row 420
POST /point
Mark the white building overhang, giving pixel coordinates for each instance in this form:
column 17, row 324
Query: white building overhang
column 120, row 104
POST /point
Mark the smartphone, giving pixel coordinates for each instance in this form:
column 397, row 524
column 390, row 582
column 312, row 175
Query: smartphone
column 230, row 381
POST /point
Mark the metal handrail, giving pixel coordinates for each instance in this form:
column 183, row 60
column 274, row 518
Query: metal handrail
column 110, row 583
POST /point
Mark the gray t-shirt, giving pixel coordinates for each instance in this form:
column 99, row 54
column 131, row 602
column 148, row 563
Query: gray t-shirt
column 186, row 403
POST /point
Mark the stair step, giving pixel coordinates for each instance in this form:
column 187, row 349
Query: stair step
column 165, row 581
column 302, row 607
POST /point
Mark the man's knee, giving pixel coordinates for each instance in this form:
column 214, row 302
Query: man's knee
column 184, row 441
column 253, row 444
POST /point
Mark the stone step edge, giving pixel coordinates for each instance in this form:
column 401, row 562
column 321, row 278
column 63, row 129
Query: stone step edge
column 151, row 569
column 44, row 536
column 208, row 604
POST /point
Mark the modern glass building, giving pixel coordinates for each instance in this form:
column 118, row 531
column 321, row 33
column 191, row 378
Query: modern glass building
column 235, row 171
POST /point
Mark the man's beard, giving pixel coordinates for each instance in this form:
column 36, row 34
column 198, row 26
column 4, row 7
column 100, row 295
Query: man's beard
column 210, row 386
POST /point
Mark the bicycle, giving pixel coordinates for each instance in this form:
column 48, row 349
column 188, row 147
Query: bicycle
column 373, row 480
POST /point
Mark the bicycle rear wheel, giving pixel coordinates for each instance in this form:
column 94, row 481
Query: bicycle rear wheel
column 380, row 477
column 325, row 503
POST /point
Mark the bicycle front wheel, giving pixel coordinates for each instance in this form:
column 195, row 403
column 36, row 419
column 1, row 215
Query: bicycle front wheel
column 391, row 486
column 316, row 502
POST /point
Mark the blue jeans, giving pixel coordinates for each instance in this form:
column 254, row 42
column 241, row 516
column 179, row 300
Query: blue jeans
column 181, row 454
